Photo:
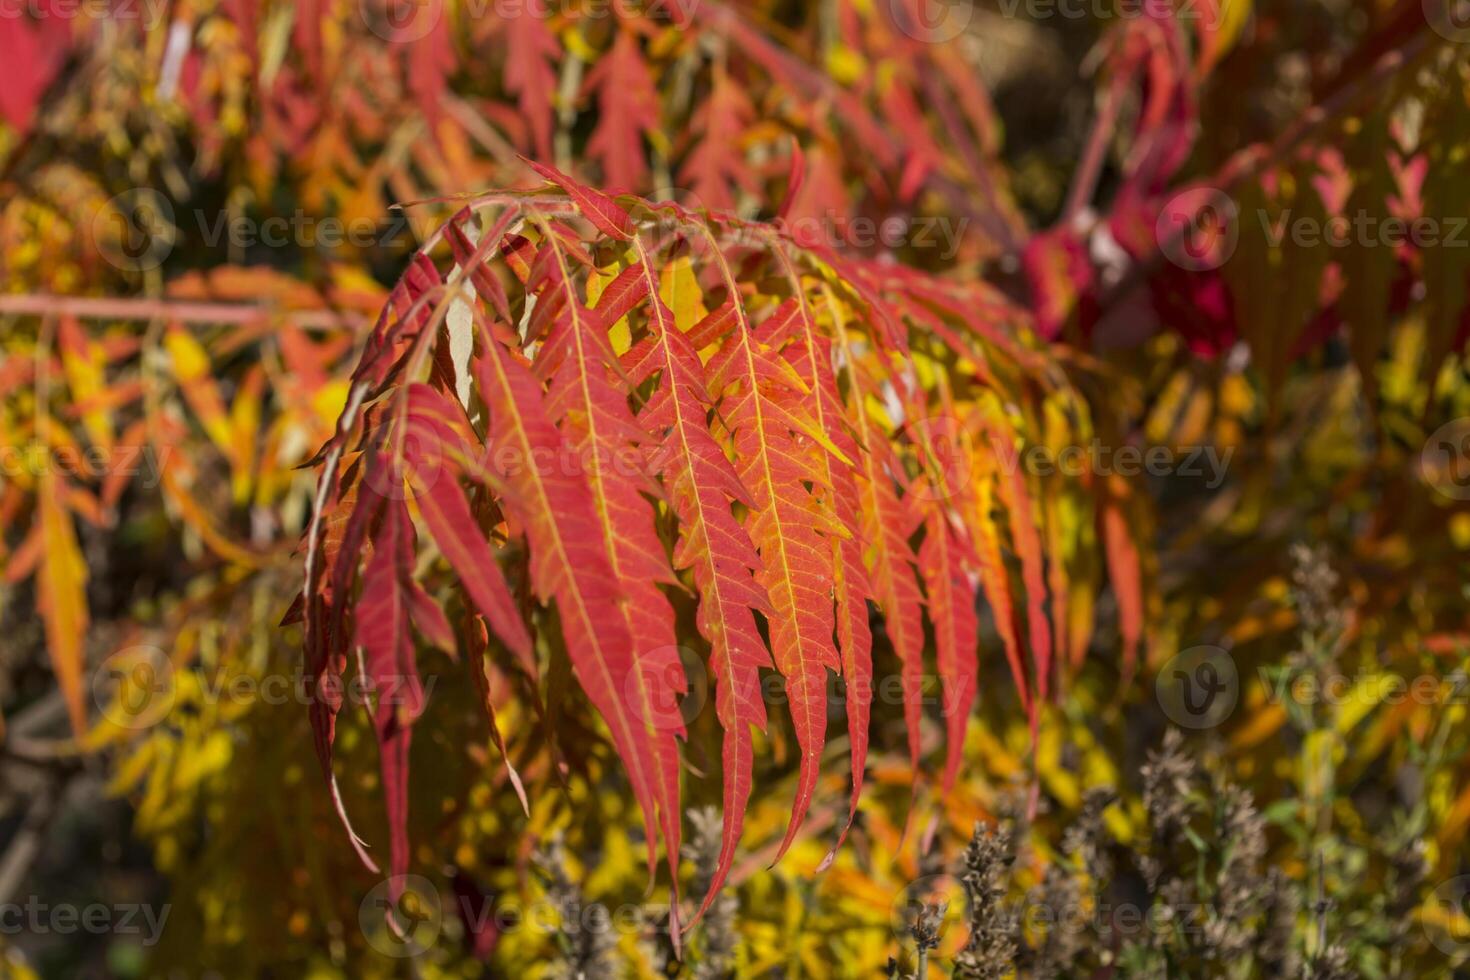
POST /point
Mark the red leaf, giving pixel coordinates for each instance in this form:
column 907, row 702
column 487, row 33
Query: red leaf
column 569, row 563
column 388, row 659
column 1011, row 483
column 531, row 50
column 1127, row 577
column 812, row 359
column 627, row 109
column 952, row 598
column 34, row 53
column 599, row 209
column 599, row 427
column 702, row 484
column 717, row 162
column 763, row 408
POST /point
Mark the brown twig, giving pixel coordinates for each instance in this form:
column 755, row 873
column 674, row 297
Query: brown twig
column 179, row 311
column 25, row 846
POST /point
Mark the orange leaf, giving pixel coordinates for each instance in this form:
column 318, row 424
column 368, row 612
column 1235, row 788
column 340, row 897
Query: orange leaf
column 61, row 597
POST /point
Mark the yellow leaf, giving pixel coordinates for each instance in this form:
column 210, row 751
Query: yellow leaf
column 680, row 291
column 329, row 400
column 61, row 598
column 1230, row 17
column 198, row 518
column 245, row 414
column 845, row 65
column 1365, row 695
column 577, row 45
column 1264, row 723
column 620, row 335
column 192, row 369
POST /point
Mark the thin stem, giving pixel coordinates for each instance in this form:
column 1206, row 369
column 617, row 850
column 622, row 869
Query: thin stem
column 173, row 311
column 1084, row 181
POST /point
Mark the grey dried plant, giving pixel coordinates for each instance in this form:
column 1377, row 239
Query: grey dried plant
column 719, row 939
column 1408, row 870
column 1168, row 798
column 1240, row 892
column 1057, row 903
column 1332, row 964
column 1274, row 950
column 1069, row 888
column 990, row 952
column 1086, row 840
column 587, row 942
column 1314, row 587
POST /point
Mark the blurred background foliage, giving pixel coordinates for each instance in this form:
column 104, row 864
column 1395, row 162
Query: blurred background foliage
column 1327, row 549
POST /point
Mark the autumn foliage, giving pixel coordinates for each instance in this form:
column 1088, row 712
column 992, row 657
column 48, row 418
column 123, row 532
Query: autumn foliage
column 641, row 433
column 653, row 408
